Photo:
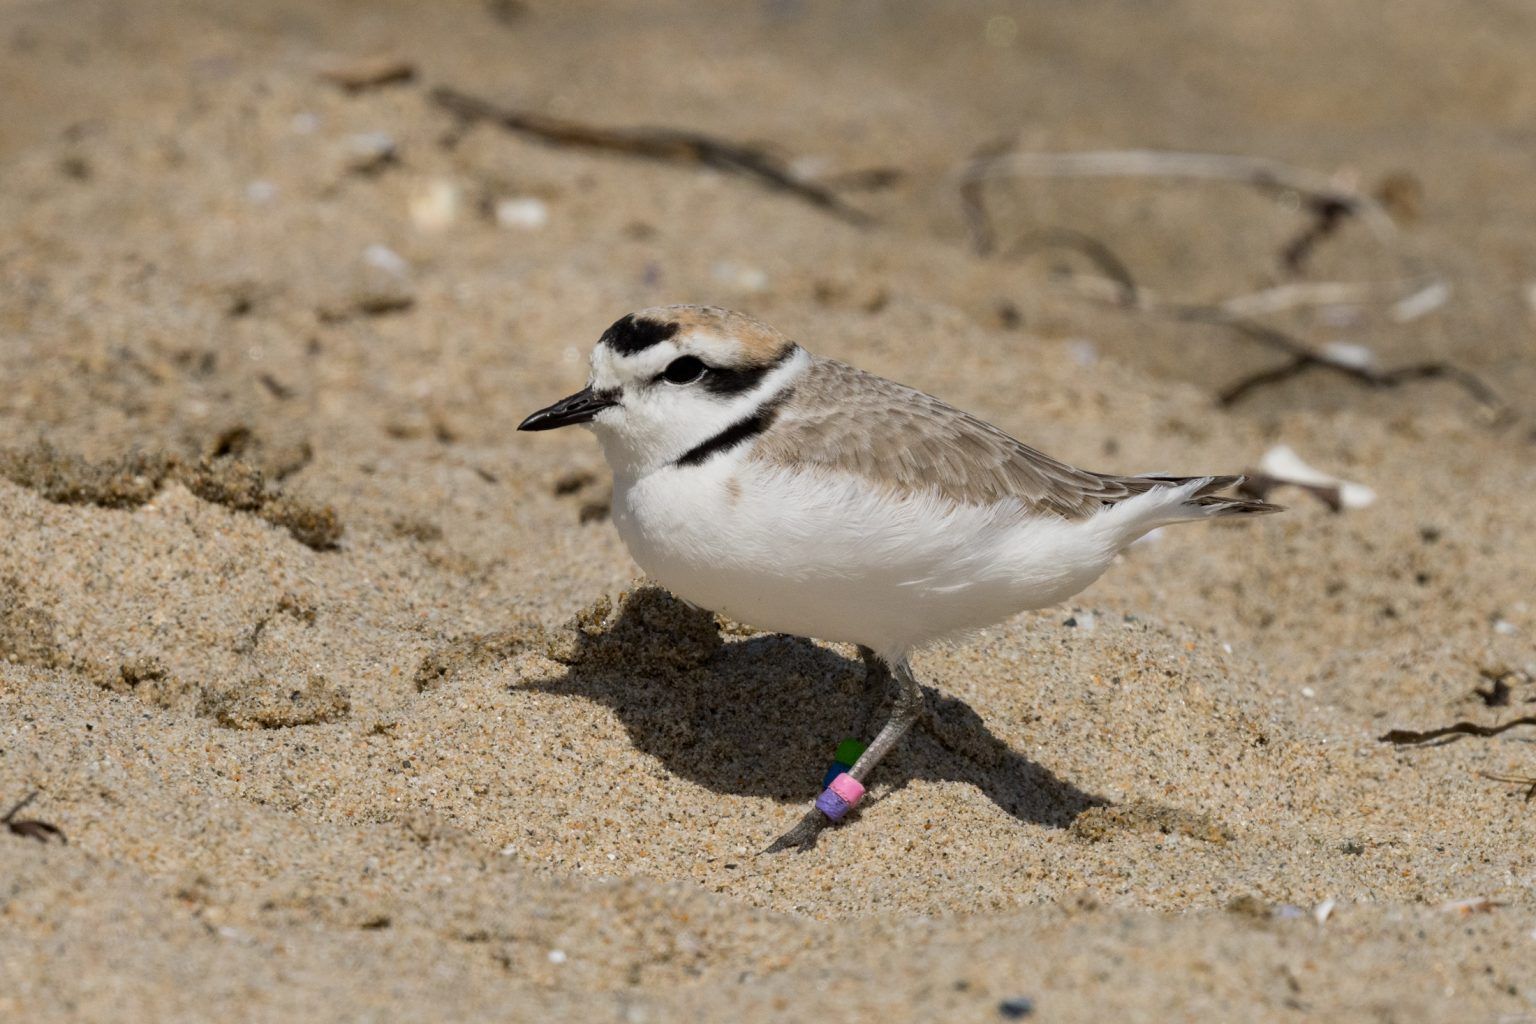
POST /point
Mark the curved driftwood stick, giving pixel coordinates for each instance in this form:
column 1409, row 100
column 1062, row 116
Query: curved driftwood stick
column 663, row 144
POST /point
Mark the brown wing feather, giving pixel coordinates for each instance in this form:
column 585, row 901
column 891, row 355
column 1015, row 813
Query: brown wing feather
column 845, row 419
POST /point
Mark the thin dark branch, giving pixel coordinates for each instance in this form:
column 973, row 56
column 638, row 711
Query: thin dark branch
column 1370, row 377
column 1266, row 175
column 1328, row 215
column 1459, row 729
column 1240, row 389
column 1303, row 357
column 20, row 806
column 29, row 828
column 667, row 145
column 973, row 204
column 1102, row 256
column 1329, row 203
column 1518, row 780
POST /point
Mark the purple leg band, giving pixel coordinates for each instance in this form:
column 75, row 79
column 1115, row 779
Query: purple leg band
column 832, row 805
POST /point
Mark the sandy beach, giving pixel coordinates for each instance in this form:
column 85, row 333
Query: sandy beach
column 344, row 700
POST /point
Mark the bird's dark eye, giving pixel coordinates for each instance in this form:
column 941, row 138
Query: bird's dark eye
column 683, row 370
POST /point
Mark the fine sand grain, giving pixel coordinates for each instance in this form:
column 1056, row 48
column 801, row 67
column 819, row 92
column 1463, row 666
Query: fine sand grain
column 344, row 694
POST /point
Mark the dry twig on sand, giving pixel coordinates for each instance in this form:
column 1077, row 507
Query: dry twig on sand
column 668, row 145
column 30, row 828
column 1303, row 357
column 1519, row 780
column 1458, row 729
column 1330, row 203
column 1319, row 192
column 1118, row 288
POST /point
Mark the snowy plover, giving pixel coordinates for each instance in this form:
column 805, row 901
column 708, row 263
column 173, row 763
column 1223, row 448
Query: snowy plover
column 802, row 495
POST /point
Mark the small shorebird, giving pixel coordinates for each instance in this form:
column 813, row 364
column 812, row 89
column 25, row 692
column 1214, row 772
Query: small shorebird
column 801, row 495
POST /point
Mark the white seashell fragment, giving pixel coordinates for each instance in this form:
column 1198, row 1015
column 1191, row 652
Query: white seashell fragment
column 436, row 207
column 1282, row 463
column 1422, row 302
column 527, row 213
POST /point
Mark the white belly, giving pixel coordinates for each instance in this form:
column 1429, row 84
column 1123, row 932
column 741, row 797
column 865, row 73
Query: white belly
column 832, row 557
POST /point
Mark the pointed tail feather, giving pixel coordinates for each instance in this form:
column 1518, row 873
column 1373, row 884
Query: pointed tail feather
column 1209, row 502
column 1164, row 500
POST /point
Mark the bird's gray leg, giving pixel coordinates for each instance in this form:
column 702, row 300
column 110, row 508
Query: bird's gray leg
column 877, row 680
column 909, row 703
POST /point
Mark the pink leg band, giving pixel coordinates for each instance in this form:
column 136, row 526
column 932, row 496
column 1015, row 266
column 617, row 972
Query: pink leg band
column 841, row 796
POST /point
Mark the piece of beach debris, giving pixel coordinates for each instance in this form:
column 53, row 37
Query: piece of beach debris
column 865, row 179
column 1328, row 214
column 1527, row 781
column 379, row 287
column 1349, row 353
column 741, row 277
column 1304, row 358
column 276, row 388
column 1399, row 195
column 1455, row 730
column 31, row 828
column 525, row 213
column 1016, row 1007
column 1322, row 195
column 1324, row 910
column 668, row 145
column 1421, row 303
column 1502, row 681
column 1282, row 467
column 1472, row 905
column 436, row 206
column 1328, row 199
column 369, row 153
column 382, row 257
column 358, row 74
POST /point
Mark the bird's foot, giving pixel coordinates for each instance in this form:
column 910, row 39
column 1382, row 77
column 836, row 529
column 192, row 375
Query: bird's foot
column 804, row 835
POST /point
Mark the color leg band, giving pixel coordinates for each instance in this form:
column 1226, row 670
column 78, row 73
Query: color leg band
column 841, row 796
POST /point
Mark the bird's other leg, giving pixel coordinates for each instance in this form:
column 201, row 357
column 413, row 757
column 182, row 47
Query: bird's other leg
column 909, row 702
column 877, row 680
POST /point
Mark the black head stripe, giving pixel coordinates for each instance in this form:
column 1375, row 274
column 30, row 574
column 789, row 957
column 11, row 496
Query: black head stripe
column 629, row 335
column 725, row 381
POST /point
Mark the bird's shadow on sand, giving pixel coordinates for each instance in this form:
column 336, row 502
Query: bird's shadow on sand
column 762, row 716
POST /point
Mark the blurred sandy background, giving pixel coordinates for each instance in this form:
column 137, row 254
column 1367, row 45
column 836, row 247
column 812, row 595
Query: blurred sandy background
column 325, row 673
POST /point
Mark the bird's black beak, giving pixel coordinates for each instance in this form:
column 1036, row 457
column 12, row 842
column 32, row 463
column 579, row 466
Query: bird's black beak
column 578, row 408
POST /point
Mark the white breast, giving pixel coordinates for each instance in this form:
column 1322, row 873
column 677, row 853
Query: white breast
column 831, row 556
